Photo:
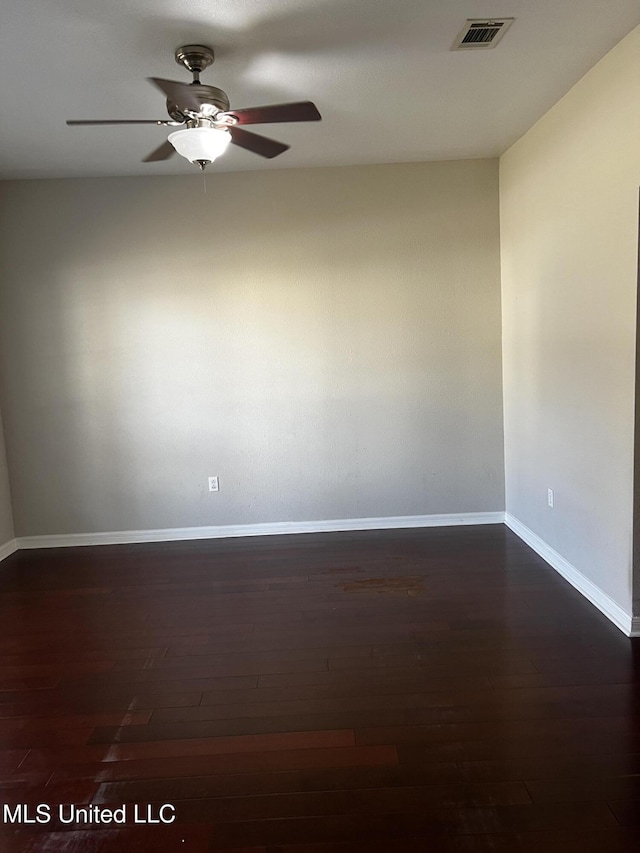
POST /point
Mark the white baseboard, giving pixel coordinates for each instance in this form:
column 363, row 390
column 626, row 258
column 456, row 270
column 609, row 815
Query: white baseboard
column 8, row 549
column 126, row 537
column 611, row 609
column 627, row 624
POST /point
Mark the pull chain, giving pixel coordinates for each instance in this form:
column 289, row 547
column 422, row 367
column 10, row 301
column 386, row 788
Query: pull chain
column 202, row 165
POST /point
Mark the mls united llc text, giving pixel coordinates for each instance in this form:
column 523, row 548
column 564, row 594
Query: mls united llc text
column 149, row 813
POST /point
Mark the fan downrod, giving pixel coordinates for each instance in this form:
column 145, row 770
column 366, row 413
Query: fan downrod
column 195, row 58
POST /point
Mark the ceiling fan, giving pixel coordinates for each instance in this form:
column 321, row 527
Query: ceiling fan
column 207, row 123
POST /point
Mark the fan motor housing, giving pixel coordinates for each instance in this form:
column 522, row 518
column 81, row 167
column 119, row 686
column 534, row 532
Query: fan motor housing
column 207, row 95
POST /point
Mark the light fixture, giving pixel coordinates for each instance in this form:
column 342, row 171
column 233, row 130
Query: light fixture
column 200, row 145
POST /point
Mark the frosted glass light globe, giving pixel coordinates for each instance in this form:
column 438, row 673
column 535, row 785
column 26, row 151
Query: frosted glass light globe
column 200, row 143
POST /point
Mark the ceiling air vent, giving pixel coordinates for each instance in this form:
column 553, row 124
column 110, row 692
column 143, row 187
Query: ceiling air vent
column 481, row 33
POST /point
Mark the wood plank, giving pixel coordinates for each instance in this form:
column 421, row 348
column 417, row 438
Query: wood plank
column 232, row 763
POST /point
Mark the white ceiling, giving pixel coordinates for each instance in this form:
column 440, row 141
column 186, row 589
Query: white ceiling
column 380, row 71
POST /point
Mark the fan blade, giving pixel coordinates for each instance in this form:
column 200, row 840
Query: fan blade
column 162, row 152
column 183, row 95
column 299, row 111
column 77, row 122
column 258, row 144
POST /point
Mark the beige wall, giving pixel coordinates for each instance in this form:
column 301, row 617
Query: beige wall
column 326, row 341
column 6, row 516
column 569, row 236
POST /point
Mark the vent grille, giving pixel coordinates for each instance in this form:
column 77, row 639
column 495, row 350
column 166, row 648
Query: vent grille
column 481, row 33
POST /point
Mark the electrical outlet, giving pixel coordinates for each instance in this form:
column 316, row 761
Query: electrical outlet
column 213, row 484
column 550, row 497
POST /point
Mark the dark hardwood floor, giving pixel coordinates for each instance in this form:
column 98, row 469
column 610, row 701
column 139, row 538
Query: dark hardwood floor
column 408, row 691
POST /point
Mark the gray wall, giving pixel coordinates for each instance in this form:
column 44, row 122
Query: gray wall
column 569, row 236
column 326, row 341
column 6, row 516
